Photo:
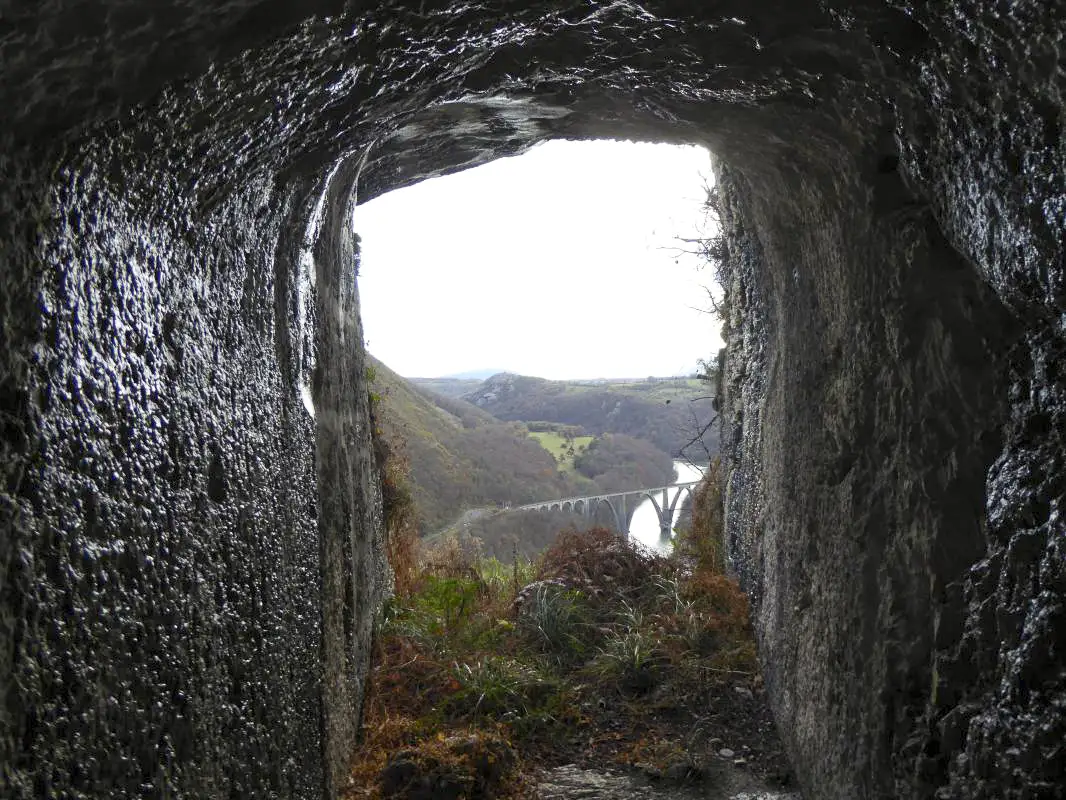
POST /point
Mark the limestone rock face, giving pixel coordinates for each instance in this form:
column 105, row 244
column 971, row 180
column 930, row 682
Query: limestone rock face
column 190, row 557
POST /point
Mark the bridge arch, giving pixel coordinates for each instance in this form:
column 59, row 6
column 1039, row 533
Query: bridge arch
column 665, row 506
column 683, row 491
column 619, row 515
column 649, row 495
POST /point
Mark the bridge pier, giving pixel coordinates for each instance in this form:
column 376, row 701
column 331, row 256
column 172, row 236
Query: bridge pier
column 666, row 518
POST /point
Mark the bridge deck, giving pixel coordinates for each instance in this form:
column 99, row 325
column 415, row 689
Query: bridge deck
column 587, row 498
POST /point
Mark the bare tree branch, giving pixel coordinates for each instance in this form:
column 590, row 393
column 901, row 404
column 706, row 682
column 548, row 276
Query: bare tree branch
column 698, row 438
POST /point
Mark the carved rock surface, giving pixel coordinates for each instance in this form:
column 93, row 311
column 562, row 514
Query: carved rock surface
column 190, row 557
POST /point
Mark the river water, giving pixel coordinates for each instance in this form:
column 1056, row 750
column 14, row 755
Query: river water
column 644, row 526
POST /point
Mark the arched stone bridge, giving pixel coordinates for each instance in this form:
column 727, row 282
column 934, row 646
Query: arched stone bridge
column 620, row 505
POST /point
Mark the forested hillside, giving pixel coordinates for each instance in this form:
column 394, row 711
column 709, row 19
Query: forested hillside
column 618, row 463
column 667, row 413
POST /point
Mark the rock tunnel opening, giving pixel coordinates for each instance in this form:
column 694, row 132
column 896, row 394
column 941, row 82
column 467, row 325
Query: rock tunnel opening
column 580, row 261
column 190, row 561
column 942, row 427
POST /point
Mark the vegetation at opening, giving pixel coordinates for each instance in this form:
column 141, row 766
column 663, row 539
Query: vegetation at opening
column 711, row 248
column 596, row 653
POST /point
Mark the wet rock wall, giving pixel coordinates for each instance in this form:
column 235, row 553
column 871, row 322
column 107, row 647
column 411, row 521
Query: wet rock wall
column 165, row 515
column 865, row 377
column 989, row 151
column 897, row 431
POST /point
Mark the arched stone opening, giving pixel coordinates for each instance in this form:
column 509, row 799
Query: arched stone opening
column 180, row 536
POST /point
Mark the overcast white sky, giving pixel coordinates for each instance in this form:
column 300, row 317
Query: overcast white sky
column 550, row 264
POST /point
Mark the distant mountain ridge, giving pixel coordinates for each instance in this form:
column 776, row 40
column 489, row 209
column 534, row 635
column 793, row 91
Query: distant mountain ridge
column 666, row 412
column 475, row 374
column 462, row 384
column 448, row 387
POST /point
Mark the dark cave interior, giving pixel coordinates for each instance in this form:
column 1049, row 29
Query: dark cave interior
column 191, row 564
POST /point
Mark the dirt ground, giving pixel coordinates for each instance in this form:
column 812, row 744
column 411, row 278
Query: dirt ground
column 721, row 743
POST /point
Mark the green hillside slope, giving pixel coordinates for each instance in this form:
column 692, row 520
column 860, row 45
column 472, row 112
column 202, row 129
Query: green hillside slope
column 462, row 457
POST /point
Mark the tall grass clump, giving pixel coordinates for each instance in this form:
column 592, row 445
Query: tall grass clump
column 555, row 621
column 447, row 677
column 631, row 654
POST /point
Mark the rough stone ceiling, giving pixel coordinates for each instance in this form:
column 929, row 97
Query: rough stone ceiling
column 433, row 86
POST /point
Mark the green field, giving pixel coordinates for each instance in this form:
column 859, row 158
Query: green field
column 559, row 447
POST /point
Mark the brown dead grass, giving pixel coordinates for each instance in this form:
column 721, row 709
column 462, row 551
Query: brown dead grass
column 599, row 563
